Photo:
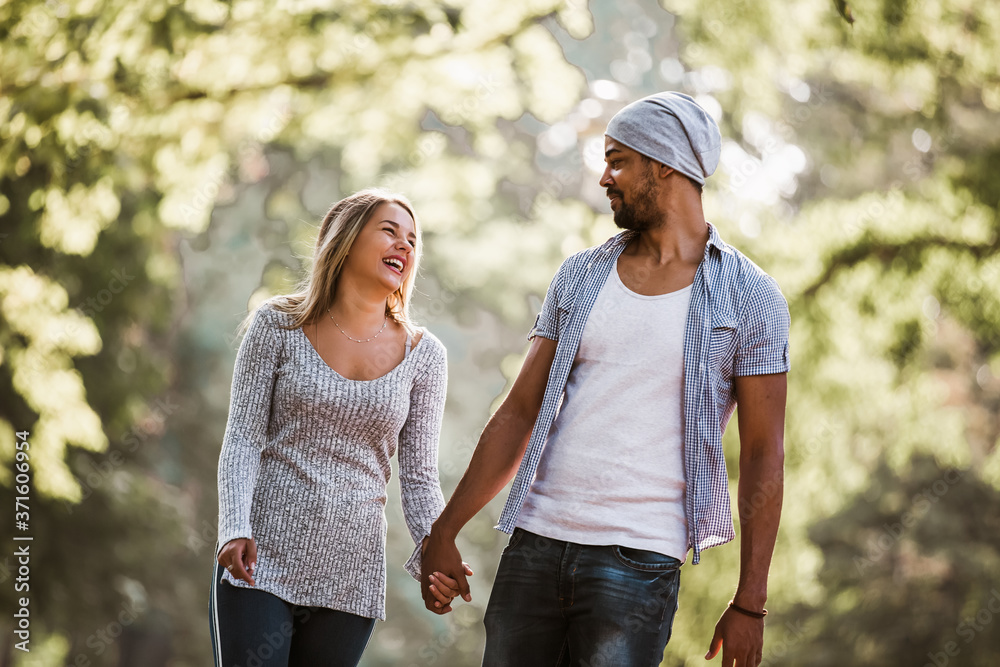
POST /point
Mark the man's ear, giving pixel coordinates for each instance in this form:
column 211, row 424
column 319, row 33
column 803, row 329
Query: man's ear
column 663, row 170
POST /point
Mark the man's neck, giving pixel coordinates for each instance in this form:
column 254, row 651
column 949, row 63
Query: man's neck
column 680, row 237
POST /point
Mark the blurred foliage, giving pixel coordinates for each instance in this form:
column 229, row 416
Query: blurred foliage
column 921, row 545
column 125, row 125
column 883, row 233
column 160, row 161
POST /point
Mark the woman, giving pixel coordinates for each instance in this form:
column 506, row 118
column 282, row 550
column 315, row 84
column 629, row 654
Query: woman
column 328, row 382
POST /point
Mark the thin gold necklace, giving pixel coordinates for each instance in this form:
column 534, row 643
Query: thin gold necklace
column 384, row 323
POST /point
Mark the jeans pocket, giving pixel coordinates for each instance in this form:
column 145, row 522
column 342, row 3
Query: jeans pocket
column 515, row 539
column 645, row 561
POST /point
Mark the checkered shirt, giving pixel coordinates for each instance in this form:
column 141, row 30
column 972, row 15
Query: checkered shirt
column 737, row 325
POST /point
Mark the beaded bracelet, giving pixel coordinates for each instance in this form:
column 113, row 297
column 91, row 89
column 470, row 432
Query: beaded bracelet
column 747, row 612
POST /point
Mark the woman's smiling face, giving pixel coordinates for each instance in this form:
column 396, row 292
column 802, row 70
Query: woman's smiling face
column 384, row 248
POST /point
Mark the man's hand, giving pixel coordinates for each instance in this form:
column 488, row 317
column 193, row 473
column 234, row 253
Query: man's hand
column 496, row 459
column 741, row 639
column 761, row 414
column 440, row 555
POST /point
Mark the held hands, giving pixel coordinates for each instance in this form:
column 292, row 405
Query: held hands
column 439, row 559
column 741, row 639
column 239, row 556
column 444, row 589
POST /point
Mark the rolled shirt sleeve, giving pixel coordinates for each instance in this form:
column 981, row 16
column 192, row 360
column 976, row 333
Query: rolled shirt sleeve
column 547, row 321
column 763, row 334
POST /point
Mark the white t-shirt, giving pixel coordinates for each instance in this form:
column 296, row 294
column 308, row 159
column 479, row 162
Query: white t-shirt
column 612, row 471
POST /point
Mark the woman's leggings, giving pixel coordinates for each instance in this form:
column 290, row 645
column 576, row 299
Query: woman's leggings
column 253, row 628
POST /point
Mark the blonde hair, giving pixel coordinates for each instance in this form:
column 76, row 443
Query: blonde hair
column 340, row 227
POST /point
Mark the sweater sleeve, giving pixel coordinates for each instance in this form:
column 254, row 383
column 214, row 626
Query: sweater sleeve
column 246, row 429
column 420, row 487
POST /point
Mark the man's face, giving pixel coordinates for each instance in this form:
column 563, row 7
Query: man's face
column 631, row 186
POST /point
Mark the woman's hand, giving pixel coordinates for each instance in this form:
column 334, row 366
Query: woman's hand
column 239, row 556
column 445, row 589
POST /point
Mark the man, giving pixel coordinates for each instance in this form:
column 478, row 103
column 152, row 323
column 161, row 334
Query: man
column 614, row 425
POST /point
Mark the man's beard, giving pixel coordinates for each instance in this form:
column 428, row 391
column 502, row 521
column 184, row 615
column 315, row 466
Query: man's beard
column 642, row 213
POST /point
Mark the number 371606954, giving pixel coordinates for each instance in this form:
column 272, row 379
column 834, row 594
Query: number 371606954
column 22, row 479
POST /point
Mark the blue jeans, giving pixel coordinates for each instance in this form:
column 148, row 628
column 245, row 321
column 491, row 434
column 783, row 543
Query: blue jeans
column 253, row 628
column 558, row 603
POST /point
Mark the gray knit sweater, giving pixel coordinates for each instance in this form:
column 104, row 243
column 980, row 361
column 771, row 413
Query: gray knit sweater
column 305, row 464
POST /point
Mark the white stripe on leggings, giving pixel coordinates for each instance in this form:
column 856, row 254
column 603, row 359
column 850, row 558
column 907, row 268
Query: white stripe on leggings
column 215, row 615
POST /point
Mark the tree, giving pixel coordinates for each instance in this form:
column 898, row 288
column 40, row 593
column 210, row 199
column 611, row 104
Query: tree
column 160, row 161
column 126, row 126
column 858, row 175
column 905, row 564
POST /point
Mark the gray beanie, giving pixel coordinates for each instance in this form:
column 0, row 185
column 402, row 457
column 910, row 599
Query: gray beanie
column 670, row 128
